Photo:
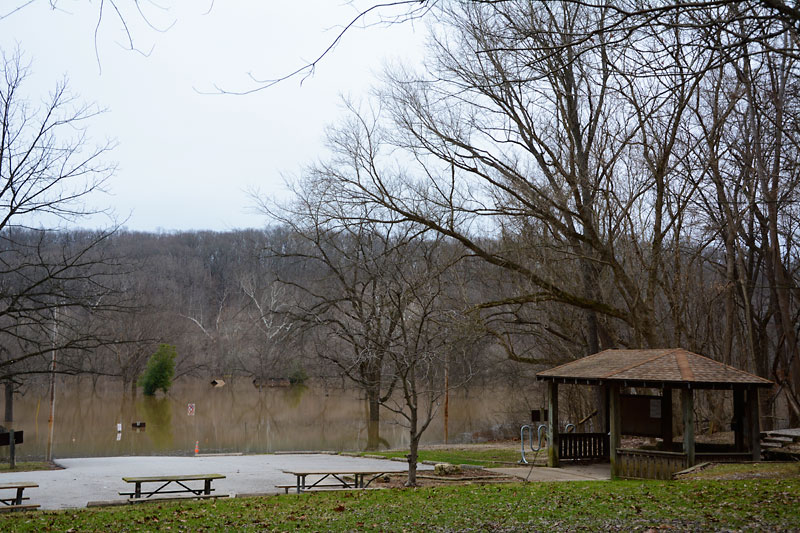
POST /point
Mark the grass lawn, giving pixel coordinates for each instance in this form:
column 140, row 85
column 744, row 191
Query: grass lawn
column 27, row 467
column 486, row 457
column 747, row 471
column 763, row 505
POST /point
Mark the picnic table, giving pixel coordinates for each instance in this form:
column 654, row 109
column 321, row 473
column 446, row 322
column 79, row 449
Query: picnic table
column 169, row 484
column 14, row 503
column 361, row 478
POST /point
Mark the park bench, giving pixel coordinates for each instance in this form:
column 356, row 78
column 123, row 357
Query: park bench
column 361, row 479
column 171, row 485
column 14, row 503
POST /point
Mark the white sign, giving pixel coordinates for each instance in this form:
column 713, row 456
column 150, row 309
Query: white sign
column 655, row 408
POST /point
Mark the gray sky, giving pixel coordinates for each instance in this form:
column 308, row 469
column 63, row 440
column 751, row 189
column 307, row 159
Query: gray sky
column 187, row 159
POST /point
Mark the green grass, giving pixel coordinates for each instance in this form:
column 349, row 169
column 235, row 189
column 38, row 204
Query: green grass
column 748, row 470
column 29, row 466
column 595, row 506
column 481, row 457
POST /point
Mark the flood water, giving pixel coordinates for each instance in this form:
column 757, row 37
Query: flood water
column 237, row 417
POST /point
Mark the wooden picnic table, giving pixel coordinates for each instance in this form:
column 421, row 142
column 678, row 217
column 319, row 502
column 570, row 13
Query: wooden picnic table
column 361, row 478
column 167, row 481
column 13, row 503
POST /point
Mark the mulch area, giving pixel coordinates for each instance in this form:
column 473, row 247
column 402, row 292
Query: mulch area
column 428, row 479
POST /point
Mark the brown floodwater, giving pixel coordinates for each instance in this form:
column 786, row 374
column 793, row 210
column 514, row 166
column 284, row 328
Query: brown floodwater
column 237, row 417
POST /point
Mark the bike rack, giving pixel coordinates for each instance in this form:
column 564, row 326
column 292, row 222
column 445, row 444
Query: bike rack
column 540, row 431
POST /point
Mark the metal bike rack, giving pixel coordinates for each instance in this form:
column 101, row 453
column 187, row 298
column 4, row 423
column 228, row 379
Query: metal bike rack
column 540, row 431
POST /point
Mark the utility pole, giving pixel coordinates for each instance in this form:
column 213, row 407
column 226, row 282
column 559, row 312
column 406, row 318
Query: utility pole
column 51, row 420
column 446, row 395
column 9, row 420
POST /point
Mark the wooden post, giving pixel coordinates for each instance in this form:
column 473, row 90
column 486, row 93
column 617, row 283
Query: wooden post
column 666, row 418
column 751, row 407
column 603, row 418
column 687, row 405
column 552, row 424
column 739, row 428
column 615, row 422
column 12, row 437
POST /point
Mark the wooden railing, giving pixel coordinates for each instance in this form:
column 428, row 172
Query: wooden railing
column 656, row 464
column 583, row 446
column 649, row 464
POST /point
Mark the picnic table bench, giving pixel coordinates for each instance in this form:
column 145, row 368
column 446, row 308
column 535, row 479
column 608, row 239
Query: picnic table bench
column 361, row 478
column 14, row 503
column 171, row 483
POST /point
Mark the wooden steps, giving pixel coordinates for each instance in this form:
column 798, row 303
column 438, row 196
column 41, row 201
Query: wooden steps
column 780, row 444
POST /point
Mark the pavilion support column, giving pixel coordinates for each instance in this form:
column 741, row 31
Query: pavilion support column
column 739, row 427
column 552, row 424
column 666, row 419
column 751, row 407
column 687, row 405
column 615, row 422
column 602, row 409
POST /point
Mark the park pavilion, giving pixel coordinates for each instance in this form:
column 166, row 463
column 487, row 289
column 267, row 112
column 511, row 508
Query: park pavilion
column 622, row 375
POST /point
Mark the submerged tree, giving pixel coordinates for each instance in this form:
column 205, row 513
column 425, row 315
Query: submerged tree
column 159, row 371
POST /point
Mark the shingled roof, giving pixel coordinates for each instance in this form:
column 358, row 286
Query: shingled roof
column 652, row 368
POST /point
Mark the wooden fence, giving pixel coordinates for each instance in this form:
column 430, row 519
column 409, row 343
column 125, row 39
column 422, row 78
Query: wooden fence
column 583, row 446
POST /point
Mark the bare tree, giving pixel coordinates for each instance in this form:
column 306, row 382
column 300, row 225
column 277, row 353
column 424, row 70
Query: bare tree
column 269, row 328
column 432, row 334
column 50, row 281
column 342, row 291
column 572, row 159
column 54, row 286
column 374, row 292
column 748, row 120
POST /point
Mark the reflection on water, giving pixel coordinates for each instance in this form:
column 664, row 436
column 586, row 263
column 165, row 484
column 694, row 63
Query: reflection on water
column 157, row 413
column 235, row 418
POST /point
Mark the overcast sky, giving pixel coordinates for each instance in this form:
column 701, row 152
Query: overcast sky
column 186, row 160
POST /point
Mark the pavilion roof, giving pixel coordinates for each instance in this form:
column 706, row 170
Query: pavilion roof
column 652, row 368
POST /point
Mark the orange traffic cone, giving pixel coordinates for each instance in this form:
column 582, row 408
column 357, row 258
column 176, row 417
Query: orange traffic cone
column 196, row 447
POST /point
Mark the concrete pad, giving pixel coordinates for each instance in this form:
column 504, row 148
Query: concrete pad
column 593, row 472
column 100, row 478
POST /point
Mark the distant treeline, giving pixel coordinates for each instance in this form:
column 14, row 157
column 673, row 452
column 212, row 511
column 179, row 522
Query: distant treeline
column 222, row 298
column 229, row 302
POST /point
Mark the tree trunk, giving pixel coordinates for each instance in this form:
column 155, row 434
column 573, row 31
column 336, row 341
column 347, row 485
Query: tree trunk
column 413, row 449
column 373, row 418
